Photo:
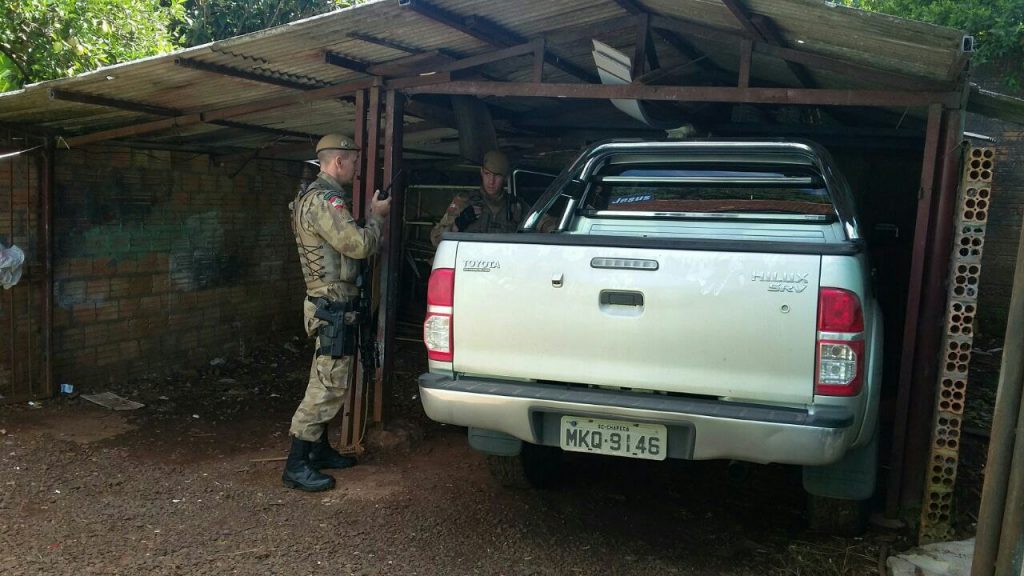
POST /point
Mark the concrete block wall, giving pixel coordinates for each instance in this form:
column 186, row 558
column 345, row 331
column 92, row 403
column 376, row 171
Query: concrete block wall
column 168, row 259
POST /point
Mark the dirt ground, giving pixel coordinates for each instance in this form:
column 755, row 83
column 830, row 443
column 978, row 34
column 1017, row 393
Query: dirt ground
column 178, row 487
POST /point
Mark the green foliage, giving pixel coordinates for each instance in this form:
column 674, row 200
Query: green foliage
column 46, row 39
column 997, row 25
column 208, row 20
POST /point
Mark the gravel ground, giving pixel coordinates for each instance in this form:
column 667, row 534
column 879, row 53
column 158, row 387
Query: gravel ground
column 180, row 487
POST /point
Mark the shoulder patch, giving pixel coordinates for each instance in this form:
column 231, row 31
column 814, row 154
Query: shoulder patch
column 337, row 202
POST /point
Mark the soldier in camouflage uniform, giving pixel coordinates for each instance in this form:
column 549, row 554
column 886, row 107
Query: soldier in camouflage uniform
column 330, row 244
column 489, row 209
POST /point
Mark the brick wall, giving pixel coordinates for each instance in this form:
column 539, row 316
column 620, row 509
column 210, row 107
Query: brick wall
column 164, row 259
column 1002, row 234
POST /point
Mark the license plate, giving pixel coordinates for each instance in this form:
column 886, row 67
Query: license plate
column 614, row 437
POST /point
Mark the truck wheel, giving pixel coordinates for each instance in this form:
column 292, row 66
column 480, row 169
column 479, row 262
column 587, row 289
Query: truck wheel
column 534, row 467
column 837, row 516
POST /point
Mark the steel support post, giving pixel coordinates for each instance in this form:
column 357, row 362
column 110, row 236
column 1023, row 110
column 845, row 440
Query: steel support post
column 47, row 181
column 923, row 221
column 391, row 250
column 934, row 297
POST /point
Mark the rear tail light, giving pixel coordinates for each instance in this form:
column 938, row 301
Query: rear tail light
column 839, row 350
column 437, row 326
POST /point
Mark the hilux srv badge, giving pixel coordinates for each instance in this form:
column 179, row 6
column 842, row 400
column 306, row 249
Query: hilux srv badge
column 783, row 281
column 480, row 265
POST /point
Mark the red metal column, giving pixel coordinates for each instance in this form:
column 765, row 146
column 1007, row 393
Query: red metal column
column 924, row 373
column 46, row 249
column 390, row 255
column 360, row 138
column 923, row 220
column 367, row 134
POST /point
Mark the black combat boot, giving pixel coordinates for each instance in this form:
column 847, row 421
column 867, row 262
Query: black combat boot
column 322, row 456
column 299, row 474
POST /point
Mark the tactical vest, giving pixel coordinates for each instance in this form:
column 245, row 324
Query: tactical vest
column 505, row 219
column 325, row 271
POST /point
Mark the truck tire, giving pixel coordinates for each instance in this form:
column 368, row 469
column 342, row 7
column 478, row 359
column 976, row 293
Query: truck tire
column 837, row 516
column 534, row 467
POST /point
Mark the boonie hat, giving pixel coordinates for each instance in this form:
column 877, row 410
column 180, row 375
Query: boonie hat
column 496, row 162
column 335, row 142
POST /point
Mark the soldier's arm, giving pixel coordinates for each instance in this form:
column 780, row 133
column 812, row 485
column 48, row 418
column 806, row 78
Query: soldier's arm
column 335, row 223
column 447, row 223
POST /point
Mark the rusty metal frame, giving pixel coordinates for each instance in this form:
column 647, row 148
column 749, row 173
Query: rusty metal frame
column 691, row 93
column 210, row 116
column 490, row 33
column 35, row 366
column 923, row 221
column 390, row 252
column 725, row 36
column 47, row 187
column 91, row 99
column 307, row 84
column 346, row 62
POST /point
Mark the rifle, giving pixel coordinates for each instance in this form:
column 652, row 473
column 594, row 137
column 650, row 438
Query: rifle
column 369, row 355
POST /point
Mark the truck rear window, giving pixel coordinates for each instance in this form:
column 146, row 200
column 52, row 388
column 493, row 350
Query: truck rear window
column 719, row 189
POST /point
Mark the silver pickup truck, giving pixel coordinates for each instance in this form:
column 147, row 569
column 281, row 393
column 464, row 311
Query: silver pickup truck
column 696, row 300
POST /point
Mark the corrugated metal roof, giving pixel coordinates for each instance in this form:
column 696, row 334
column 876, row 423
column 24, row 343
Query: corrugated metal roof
column 290, row 59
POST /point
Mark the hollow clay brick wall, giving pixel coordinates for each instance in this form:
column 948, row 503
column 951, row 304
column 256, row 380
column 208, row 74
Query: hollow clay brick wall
column 166, row 259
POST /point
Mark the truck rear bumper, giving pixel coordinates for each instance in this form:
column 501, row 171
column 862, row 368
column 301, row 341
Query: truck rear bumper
column 699, row 428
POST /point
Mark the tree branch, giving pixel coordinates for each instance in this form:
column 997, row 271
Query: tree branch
column 6, row 51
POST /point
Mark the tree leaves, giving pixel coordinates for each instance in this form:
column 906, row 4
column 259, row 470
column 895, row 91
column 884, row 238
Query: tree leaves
column 45, row 39
column 208, row 20
column 997, row 25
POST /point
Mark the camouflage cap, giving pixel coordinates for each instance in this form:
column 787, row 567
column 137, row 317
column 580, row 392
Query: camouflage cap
column 496, row 162
column 335, row 142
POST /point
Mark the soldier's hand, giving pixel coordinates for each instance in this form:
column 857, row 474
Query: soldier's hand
column 380, row 207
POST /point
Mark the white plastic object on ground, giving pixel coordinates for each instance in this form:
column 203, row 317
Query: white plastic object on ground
column 11, row 260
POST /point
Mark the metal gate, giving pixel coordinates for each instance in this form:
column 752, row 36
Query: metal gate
column 23, row 318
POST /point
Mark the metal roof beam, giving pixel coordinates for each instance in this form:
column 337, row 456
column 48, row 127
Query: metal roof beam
column 694, row 93
column 632, row 6
column 771, row 36
column 667, row 24
column 586, row 31
column 644, row 52
column 739, row 11
column 491, row 33
column 265, row 129
column 211, row 116
column 385, row 43
column 245, row 75
column 68, row 96
column 335, row 59
column 407, row 65
column 762, row 29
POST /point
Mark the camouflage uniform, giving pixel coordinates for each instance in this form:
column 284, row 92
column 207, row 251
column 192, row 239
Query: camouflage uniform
column 330, row 243
column 497, row 218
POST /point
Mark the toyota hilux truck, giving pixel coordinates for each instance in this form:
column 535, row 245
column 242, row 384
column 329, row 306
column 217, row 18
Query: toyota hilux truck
column 689, row 299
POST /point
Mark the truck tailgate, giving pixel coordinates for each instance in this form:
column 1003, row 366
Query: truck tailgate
column 726, row 324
